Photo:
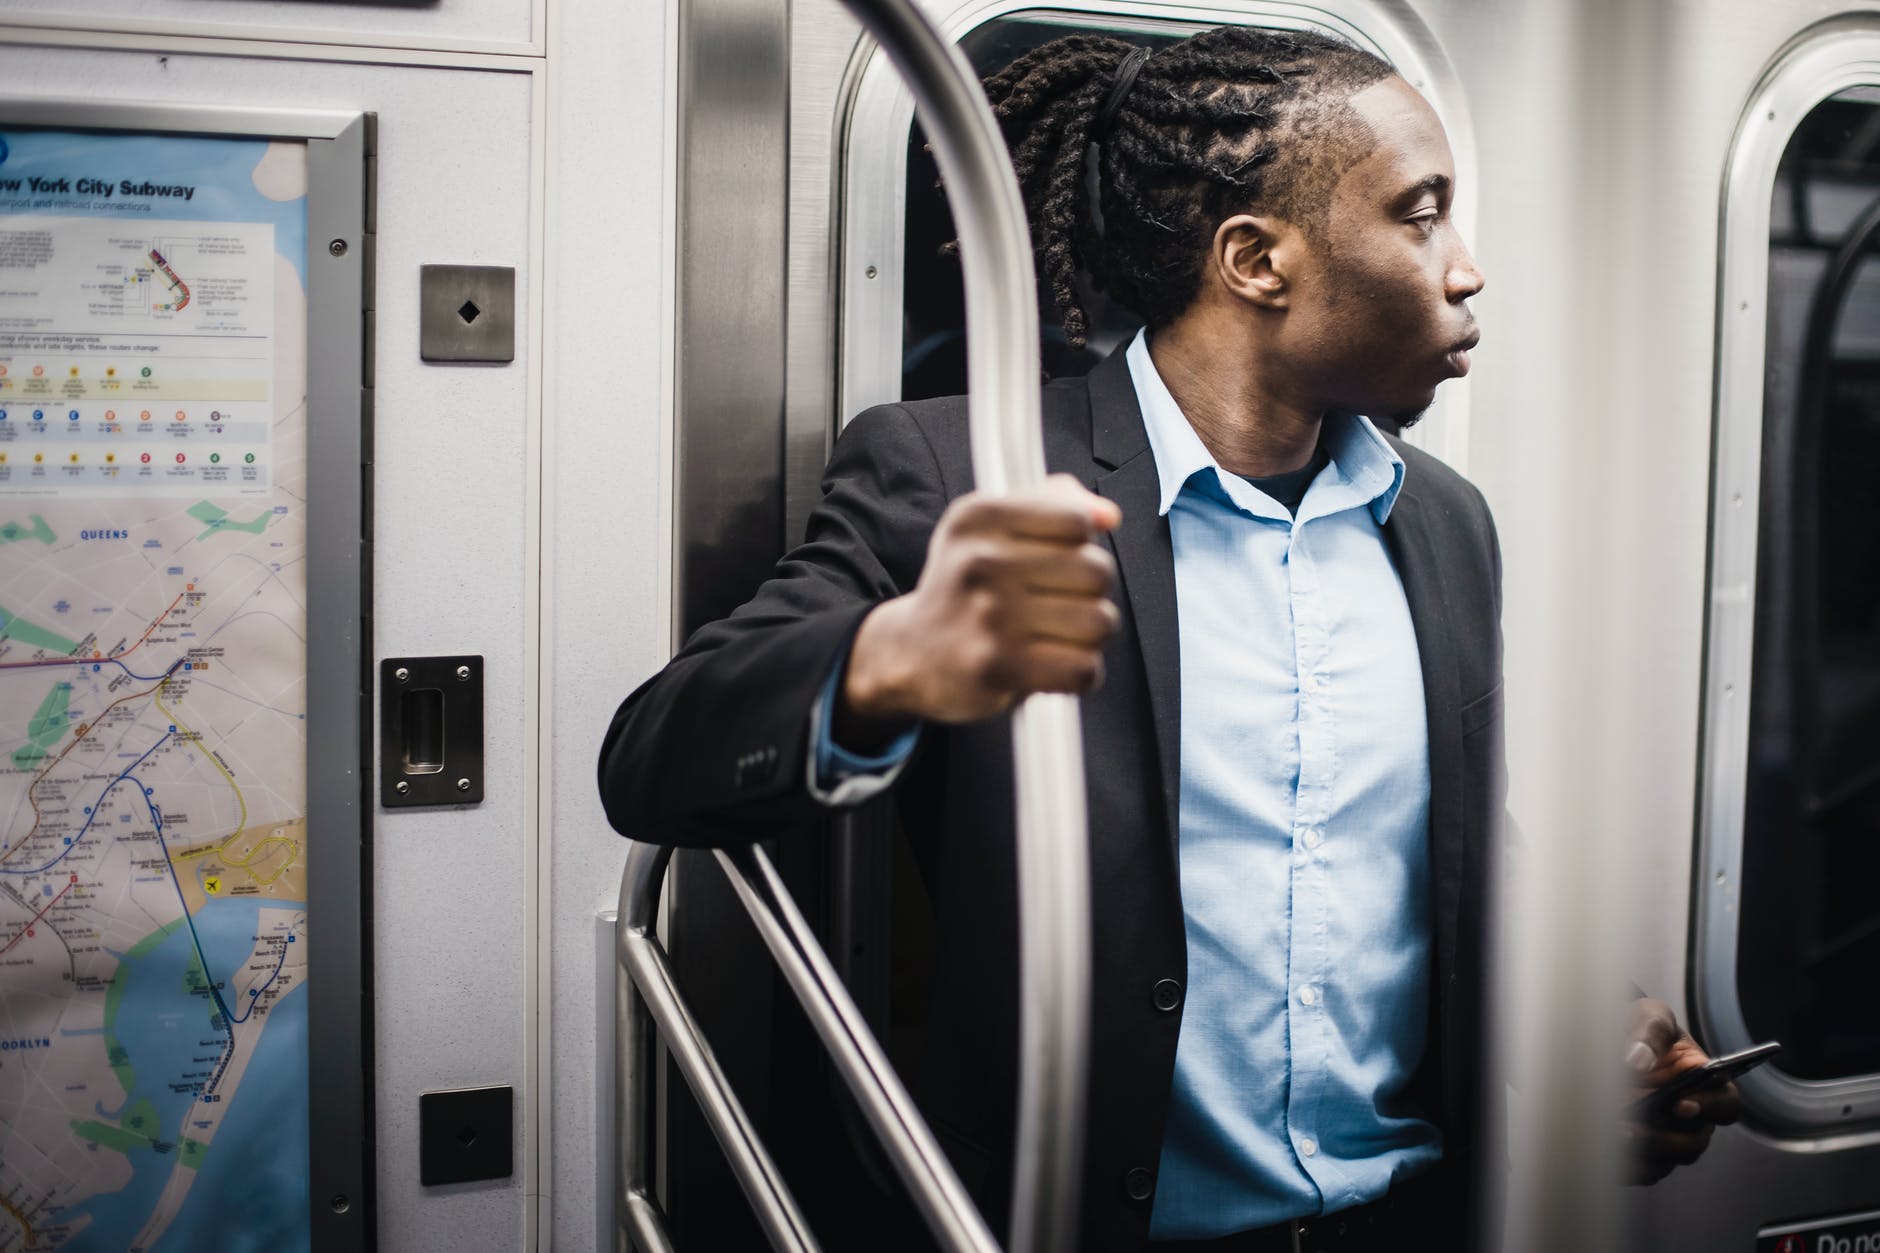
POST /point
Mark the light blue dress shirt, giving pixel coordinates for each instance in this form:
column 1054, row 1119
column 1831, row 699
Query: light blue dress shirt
column 1303, row 840
column 1303, row 836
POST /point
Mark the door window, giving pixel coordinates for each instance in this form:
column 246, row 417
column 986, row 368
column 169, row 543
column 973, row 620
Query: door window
column 1810, row 912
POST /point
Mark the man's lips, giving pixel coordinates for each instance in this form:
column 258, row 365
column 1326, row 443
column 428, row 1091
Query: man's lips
column 1458, row 357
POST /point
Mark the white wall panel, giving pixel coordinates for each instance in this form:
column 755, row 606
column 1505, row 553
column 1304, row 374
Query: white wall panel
column 438, row 24
column 608, row 446
column 453, row 550
column 454, row 544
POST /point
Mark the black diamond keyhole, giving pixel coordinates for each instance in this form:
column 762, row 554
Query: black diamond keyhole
column 467, row 1136
column 468, row 311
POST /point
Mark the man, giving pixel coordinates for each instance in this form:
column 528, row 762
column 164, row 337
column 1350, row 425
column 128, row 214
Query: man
column 1285, row 626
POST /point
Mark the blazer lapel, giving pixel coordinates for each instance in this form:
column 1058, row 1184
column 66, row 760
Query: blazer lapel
column 1145, row 557
column 1412, row 548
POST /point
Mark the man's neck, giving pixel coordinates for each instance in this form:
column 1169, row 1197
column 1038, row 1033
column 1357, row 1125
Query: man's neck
column 1243, row 425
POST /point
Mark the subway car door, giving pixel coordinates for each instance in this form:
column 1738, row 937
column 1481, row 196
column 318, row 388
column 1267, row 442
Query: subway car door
column 424, row 922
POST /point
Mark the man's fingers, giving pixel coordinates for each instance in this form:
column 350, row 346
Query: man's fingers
column 1082, row 620
column 1718, row 1105
column 1018, row 517
column 1104, row 515
column 1059, row 667
column 1682, row 1147
column 1049, row 666
column 1034, row 516
column 1657, row 1145
column 1061, row 511
column 1643, row 1164
column 1086, row 570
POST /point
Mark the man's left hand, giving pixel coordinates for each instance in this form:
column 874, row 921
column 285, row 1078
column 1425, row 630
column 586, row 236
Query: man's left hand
column 1657, row 1051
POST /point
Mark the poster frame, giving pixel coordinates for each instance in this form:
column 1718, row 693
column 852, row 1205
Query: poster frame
column 341, row 230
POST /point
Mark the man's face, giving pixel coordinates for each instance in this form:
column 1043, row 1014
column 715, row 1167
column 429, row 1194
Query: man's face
column 1379, row 315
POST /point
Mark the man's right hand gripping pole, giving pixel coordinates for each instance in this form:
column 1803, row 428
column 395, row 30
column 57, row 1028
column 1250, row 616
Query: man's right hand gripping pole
column 1015, row 598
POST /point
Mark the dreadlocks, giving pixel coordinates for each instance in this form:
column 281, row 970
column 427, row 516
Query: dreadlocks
column 1231, row 120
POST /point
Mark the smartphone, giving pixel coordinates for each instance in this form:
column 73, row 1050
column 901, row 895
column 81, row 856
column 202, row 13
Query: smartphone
column 1712, row 1074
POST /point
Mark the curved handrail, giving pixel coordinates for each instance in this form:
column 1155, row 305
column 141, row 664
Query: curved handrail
column 859, row 1059
column 645, row 996
column 1008, row 454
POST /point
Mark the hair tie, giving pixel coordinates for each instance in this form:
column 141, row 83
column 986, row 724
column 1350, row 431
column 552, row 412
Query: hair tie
column 1119, row 89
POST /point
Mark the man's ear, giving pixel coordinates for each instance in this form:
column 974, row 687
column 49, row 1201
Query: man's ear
column 1252, row 258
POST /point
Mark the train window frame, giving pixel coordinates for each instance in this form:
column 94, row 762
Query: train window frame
column 872, row 195
column 1829, row 61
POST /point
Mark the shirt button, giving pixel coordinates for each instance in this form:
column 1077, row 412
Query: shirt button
column 1313, row 838
column 1307, row 996
column 1139, row 1183
column 1167, row 995
column 1308, row 1146
column 1309, row 684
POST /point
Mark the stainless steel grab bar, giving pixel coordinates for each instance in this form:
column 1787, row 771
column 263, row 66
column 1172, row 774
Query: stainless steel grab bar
column 929, row 1177
column 1053, row 855
column 645, row 998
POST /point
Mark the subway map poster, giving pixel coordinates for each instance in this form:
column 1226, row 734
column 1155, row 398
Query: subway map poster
column 153, row 842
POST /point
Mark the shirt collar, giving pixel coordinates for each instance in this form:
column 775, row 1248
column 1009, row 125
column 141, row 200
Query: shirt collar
column 1364, row 469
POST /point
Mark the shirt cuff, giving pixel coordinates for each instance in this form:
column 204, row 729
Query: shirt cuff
column 838, row 776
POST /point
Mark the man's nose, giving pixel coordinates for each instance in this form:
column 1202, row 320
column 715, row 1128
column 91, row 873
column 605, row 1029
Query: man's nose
column 1463, row 278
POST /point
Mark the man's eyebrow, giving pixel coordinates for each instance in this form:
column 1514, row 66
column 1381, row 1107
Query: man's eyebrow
column 1438, row 183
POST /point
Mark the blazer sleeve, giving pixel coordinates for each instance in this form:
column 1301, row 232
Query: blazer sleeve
column 714, row 749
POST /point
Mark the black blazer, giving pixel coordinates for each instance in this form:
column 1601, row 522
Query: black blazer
column 713, row 750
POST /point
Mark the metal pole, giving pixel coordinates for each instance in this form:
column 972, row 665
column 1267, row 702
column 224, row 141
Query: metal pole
column 1008, row 455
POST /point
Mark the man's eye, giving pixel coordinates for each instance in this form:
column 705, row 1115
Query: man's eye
column 1426, row 221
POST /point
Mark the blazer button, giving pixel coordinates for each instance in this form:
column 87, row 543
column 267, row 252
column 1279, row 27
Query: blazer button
column 1139, row 1183
column 1167, row 995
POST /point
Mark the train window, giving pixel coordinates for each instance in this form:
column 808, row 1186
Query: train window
column 1811, row 839
column 1788, row 919
column 933, row 335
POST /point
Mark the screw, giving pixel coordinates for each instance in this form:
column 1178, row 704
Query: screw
column 871, row 271
column 340, row 1203
column 463, row 785
column 463, row 672
column 337, row 247
column 401, row 674
column 401, row 787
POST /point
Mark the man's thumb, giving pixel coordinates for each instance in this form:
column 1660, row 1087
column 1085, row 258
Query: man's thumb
column 1654, row 1032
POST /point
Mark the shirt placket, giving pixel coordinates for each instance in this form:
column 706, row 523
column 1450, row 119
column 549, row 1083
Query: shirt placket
column 1309, row 939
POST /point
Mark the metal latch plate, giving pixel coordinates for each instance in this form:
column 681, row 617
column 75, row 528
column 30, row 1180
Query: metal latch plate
column 430, row 731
